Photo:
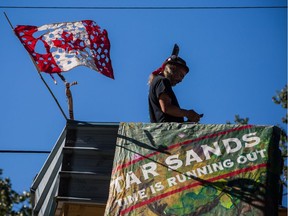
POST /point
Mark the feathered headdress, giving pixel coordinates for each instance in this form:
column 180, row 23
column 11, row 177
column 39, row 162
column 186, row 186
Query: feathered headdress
column 173, row 59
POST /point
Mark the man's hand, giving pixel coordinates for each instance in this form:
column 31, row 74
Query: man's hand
column 168, row 108
column 193, row 116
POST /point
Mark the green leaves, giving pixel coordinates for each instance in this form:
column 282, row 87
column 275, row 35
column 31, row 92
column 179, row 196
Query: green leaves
column 281, row 99
column 11, row 202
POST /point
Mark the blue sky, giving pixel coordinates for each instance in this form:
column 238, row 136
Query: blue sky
column 237, row 60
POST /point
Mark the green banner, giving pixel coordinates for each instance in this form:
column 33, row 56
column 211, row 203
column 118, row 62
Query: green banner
column 193, row 169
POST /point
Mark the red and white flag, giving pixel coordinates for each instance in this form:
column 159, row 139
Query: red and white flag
column 62, row 46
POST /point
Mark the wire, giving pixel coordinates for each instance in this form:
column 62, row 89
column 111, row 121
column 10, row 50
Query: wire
column 39, row 73
column 142, row 7
column 25, row 152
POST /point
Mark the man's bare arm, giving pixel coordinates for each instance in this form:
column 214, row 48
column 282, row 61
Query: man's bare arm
column 170, row 109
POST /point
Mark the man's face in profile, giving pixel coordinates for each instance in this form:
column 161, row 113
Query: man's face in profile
column 178, row 76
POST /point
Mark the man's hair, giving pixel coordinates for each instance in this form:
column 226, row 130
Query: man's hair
column 168, row 71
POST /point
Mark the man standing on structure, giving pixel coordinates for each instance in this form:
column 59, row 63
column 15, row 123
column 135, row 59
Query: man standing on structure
column 163, row 104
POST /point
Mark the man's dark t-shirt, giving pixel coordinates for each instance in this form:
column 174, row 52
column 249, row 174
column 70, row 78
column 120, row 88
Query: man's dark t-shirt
column 158, row 86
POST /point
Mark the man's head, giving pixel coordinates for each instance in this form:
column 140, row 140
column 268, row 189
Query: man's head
column 175, row 69
column 176, row 60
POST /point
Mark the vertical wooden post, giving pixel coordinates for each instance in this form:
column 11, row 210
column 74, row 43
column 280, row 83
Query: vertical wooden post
column 70, row 99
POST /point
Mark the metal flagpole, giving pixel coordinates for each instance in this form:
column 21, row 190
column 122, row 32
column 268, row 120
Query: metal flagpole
column 55, row 99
